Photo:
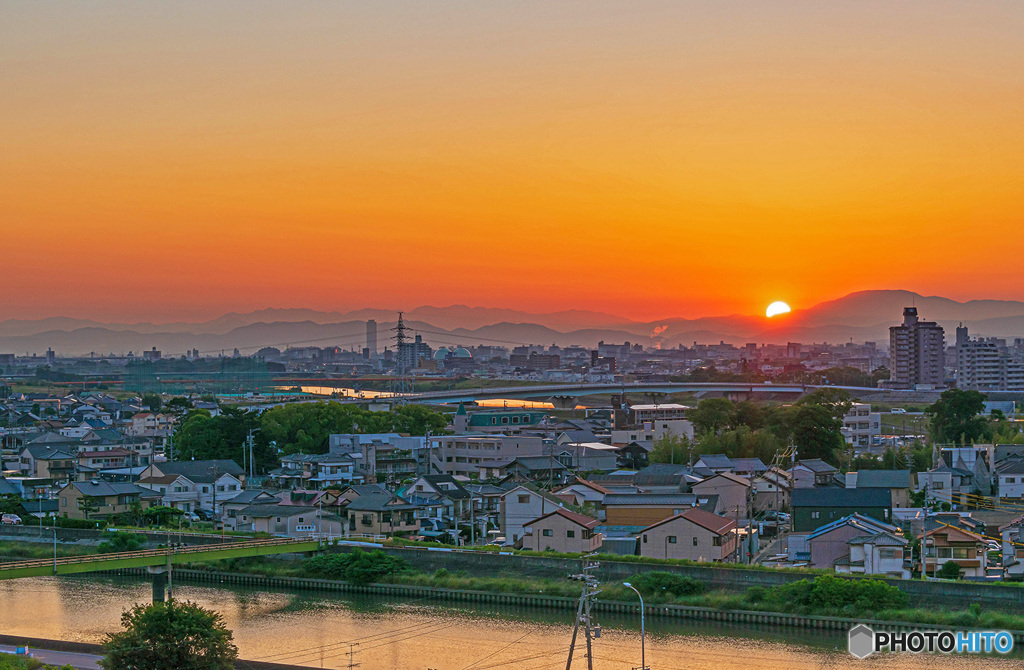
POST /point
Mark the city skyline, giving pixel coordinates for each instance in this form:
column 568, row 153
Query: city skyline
column 179, row 162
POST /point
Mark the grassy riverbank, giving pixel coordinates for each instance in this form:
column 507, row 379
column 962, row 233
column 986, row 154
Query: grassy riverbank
column 826, row 595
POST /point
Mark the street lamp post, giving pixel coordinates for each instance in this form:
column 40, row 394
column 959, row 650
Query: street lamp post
column 54, row 529
column 643, row 634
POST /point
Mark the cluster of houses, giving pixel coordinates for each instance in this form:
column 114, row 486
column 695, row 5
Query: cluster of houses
column 521, row 478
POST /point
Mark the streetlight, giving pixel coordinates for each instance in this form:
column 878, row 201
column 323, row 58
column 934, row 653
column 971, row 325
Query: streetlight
column 643, row 635
column 54, row 529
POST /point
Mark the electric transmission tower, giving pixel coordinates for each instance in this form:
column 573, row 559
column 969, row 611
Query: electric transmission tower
column 400, row 385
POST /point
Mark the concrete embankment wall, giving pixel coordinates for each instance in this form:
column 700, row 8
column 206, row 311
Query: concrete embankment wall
column 954, row 595
column 422, row 593
column 92, row 536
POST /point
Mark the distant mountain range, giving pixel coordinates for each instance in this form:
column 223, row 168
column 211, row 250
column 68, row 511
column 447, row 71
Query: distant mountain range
column 863, row 316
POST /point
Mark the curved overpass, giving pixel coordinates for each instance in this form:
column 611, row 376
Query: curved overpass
column 735, row 389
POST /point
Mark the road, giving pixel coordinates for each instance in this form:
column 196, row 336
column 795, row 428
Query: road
column 61, row 658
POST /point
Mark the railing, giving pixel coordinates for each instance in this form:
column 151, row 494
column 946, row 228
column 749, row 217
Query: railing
column 149, row 553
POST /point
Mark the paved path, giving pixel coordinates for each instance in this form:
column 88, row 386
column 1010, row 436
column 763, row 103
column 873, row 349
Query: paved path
column 60, row 658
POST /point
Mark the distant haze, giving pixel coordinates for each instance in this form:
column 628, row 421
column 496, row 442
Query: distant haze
column 864, row 316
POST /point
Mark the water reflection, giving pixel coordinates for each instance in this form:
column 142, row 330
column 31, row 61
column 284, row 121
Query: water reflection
column 316, row 629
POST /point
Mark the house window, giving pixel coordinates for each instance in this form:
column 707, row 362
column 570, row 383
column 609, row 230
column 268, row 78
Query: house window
column 645, row 539
column 570, row 533
column 300, row 519
column 890, row 553
column 546, row 532
column 960, row 552
column 815, row 515
column 945, row 552
column 279, row 519
column 671, row 539
column 1010, row 480
column 695, row 540
column 716, row 541
column 524, row 499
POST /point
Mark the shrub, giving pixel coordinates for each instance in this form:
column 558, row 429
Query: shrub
column 828, row 593
column 356, row 567
column 116, row 542
column 949, row 570
column 651, row 583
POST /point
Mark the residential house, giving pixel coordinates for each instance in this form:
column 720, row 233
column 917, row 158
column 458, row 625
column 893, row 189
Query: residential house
column 946, row 484
column 732, row 490
column 317, row 471
column 49, row 461
column 372, row 510
column 215, row 480
column 526, row 469
column 584, row 492
column 1013, row 549
column 289, row 520
column 822, row 547
column 772, row 490
column 519, row 506
column 105, row 498
column 1010, row 478
column 812, row 472
column 883, row 554
column 693, row 534
column 644, row 509
column 815, row 507
column 897, row 482
column 176, row 491
column 231, row 507
column 562, row 531
column 947, row 543
column 588, row 456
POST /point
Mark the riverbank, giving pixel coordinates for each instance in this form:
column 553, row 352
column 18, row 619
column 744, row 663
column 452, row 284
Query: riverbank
column 551, row 594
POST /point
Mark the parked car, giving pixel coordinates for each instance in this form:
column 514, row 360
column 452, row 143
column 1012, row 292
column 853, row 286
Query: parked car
column 898, row 410
column 10, row 520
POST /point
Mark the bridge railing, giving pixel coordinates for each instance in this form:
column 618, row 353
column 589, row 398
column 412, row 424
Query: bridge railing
column 148, row 553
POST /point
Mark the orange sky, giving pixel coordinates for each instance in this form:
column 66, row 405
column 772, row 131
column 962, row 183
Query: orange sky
column 178, row 160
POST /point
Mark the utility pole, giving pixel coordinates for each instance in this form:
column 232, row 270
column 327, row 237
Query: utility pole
column 215, row 471
column 587, row 598
column 351, row 654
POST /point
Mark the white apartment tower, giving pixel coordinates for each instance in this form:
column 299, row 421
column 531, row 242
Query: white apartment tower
column 986, row 364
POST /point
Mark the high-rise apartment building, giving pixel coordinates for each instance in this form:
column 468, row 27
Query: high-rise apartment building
column 371, row 338
column 986, row 364
column 916, row 352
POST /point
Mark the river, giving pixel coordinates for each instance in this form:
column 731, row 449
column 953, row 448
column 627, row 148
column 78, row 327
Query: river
column 313, row 629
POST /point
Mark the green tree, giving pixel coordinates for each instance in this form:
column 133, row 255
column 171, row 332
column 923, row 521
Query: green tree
column 176, row 635
column 178, row 405
column 956, row 417
column 949, row 570
column 670, row 448
column 816, row 422
column 152, row 401
column 11, row 503
column 88, row 505
column 115, row 542
column 712, row 415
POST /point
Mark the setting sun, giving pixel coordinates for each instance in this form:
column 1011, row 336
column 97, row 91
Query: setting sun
column 776, row 308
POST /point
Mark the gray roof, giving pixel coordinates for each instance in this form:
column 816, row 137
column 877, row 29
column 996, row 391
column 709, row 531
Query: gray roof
column 200, row 471
column 275, row 510
column 883, row 479
column 49, row 452
column 881, row 540
column 379, row 502
column 868, row 525
column 246, row 497
column 832, row 496
column 716, row 461
column 749, row 464
column 436, row 481
column 816, row 465
column 680, row 499
column 8, row 489
column 101, row 488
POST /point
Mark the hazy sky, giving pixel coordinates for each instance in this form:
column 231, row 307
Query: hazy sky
column 178, row 160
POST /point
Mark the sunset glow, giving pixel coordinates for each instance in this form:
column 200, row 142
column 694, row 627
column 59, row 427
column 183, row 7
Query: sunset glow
column 177, row 161
column 777, row 308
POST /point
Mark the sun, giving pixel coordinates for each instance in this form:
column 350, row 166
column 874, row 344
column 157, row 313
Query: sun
column 776, row 308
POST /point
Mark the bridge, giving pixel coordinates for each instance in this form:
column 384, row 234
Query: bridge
column 733, row 390
column 158, row 561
